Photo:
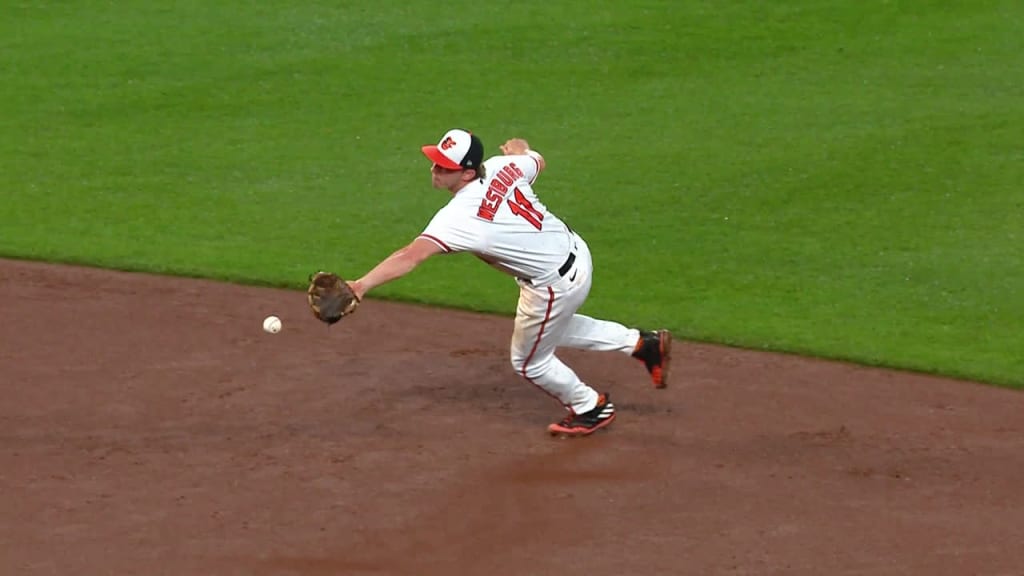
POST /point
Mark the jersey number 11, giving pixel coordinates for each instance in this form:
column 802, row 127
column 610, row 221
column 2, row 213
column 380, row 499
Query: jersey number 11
column 523, row 208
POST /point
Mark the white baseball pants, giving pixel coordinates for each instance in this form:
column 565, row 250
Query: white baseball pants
column 546, row 319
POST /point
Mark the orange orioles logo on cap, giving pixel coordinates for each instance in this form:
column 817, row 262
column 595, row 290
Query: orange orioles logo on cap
column 448, row 143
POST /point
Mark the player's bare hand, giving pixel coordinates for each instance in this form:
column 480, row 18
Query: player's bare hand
column 515, row 147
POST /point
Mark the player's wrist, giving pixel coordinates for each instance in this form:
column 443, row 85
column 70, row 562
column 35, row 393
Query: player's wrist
column 358, row 288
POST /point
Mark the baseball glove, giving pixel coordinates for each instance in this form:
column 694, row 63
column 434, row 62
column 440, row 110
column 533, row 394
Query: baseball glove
column 330, row 297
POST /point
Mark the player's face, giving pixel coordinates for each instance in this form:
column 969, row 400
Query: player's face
column 445, row 179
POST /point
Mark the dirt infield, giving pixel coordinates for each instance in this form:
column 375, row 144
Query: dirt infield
column 148, row 426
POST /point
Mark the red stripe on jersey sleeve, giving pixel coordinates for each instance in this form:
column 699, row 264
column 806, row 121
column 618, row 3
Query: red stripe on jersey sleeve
column 537, row 172
column 437, row 241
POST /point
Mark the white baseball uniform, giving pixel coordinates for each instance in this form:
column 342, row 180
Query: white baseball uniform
column 501, row 221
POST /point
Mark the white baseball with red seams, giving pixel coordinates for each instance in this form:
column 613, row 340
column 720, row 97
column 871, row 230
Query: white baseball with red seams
column 272, row 324
column 500, row 219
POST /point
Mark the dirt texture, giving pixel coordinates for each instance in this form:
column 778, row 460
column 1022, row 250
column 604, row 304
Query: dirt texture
column 149, row 426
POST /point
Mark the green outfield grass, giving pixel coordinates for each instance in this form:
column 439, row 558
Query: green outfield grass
column 827, row 177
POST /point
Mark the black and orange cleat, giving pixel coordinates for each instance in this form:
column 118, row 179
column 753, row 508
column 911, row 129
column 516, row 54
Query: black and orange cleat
column 587, row 423
column 654, row 349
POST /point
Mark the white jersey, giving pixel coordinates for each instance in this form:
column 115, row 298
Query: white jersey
column 501, row 220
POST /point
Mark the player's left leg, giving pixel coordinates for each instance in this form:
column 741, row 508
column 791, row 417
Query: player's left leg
column 541, row 320
column 542, row 317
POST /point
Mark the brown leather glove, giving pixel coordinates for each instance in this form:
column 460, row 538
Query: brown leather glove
column 330, row 297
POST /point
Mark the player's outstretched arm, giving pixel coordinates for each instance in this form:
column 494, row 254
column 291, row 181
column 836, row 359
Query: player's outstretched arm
column 520, row 147
column 400, row 263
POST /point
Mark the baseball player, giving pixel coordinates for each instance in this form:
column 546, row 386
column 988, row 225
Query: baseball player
column 495, row 214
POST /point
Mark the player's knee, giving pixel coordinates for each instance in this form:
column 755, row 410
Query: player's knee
column 531, row 368
column 519, row 359
column 518, row 363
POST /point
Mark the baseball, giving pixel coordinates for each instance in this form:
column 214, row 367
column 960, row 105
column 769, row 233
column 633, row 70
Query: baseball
column 272, row 324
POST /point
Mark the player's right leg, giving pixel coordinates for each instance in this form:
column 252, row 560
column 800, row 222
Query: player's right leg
column 653, row 348
column 586, row 333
